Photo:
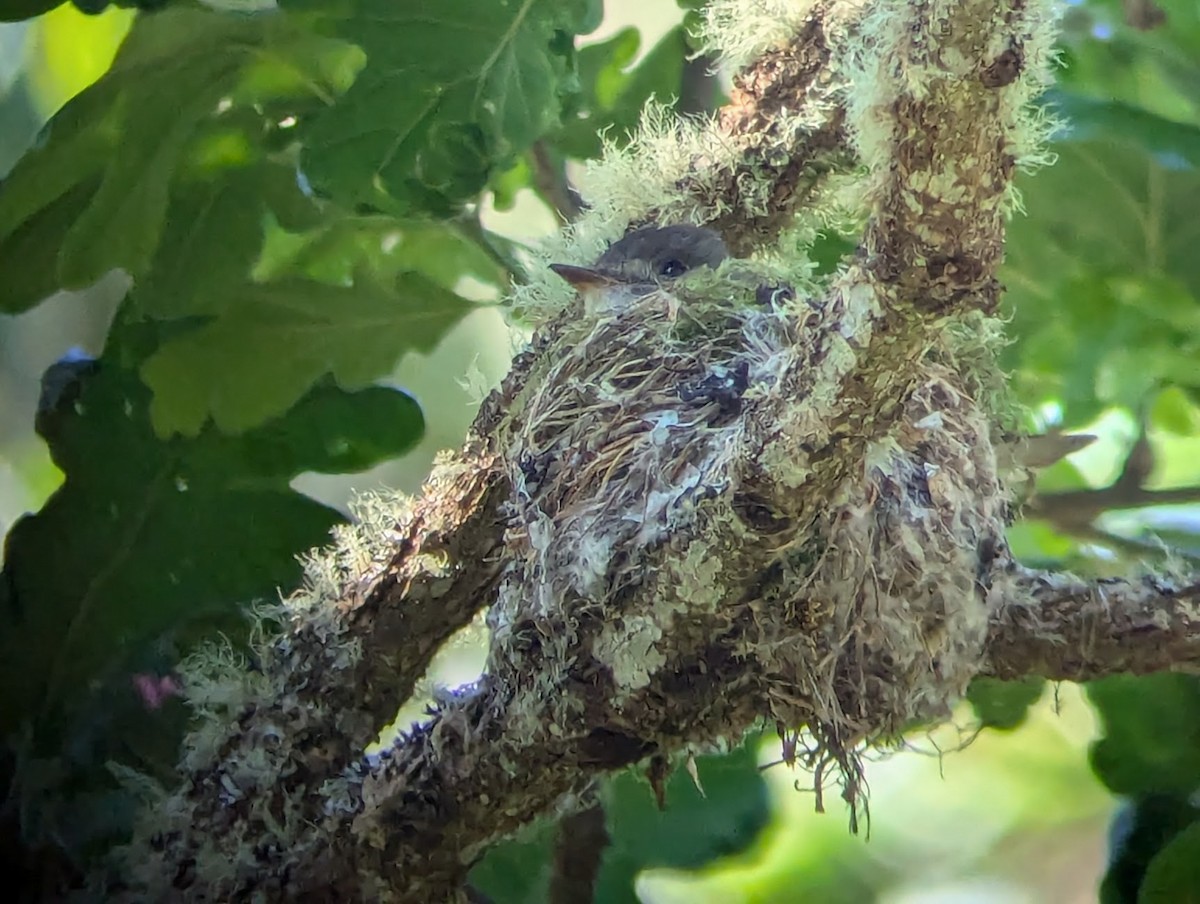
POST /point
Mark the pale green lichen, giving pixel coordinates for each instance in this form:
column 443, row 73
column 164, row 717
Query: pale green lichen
column 740, row 31
column 629, row 649
column 697, row 576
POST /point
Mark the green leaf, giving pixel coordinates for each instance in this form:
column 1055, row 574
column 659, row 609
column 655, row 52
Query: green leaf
column 695, row 828
column 145, row 536
column 1174, row 412
column 1154, row 68
column 29, row 255
column 212, row 239
column 1140, row 829
column 1135, row 218
column 276, row 340
column 16, row 10
column 1173, row 877
column 452, row 91
column 1174, row 145
column 1036, row 544
column 1003, row 705
column 387, row 246
column 613, row 96
column 332, row 431
column 178, row 83
column 517, row 870
column 1151, row 740
column 505, row 185
column 122, row 224
column 1103, row 282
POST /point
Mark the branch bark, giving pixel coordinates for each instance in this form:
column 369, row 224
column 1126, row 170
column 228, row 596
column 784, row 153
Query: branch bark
column 1066, row 629
column 690, row 516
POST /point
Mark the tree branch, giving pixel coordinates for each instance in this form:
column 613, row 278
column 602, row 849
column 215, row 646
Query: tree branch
column 550, row 178
column 780, row 160
column 1067, row 629
column 578, row 853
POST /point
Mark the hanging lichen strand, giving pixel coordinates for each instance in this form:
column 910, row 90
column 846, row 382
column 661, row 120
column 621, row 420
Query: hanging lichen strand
column 756, row 496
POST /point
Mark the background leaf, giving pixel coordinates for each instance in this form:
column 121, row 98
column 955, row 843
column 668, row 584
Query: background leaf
column 1173, row 876
column 225, row 369
column 693, row 830
column 696, row 828
column 1003, row 705
column 1106, row 278
column 1151, row 741
column 614, row 93
column 453, row 90
column 16, row 10
column 146, row 536
column 97, row 188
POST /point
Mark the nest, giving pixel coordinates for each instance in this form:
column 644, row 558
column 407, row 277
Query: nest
column 656, row 522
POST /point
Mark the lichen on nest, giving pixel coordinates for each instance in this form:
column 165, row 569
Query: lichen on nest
column 626, row 426
column 647, row 523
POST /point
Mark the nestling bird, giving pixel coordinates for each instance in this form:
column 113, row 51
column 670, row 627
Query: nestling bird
column 640, row 261
column 646, row 258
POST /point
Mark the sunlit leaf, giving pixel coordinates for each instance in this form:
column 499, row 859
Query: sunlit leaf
column 117, row 149
column 453, row 90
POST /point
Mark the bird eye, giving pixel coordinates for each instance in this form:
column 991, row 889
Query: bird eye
column 672, row 268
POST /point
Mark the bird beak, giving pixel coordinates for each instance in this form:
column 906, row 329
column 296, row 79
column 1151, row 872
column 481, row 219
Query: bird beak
column 584, row 277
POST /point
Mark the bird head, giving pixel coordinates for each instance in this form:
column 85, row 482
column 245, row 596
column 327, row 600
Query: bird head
column 643, row 259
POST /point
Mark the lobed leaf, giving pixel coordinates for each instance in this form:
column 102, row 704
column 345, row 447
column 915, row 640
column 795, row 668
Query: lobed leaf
column 98, row 186
column 146, row 535
column 452, row 91
column 274, row 340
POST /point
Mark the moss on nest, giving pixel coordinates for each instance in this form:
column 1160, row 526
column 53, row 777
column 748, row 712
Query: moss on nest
column 664, row 500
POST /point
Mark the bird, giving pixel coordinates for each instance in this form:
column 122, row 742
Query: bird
column 641, row 261
column 648, row 258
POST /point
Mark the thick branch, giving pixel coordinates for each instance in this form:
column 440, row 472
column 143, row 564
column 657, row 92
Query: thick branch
column 578, row 854
column 939, row 131
column 790, row 156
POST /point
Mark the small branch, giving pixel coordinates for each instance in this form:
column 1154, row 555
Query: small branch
column 774, row 148
column 1064, row 628
column 578, row 853
column 1142, row 551
column 1144, row 15
column 1072, row 510
column 471, row 227
column 550, row 180
column 698, row 83
column 1139, row 462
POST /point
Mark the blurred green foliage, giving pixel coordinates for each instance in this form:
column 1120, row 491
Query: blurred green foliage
column 295, row 195
column 721, row 815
